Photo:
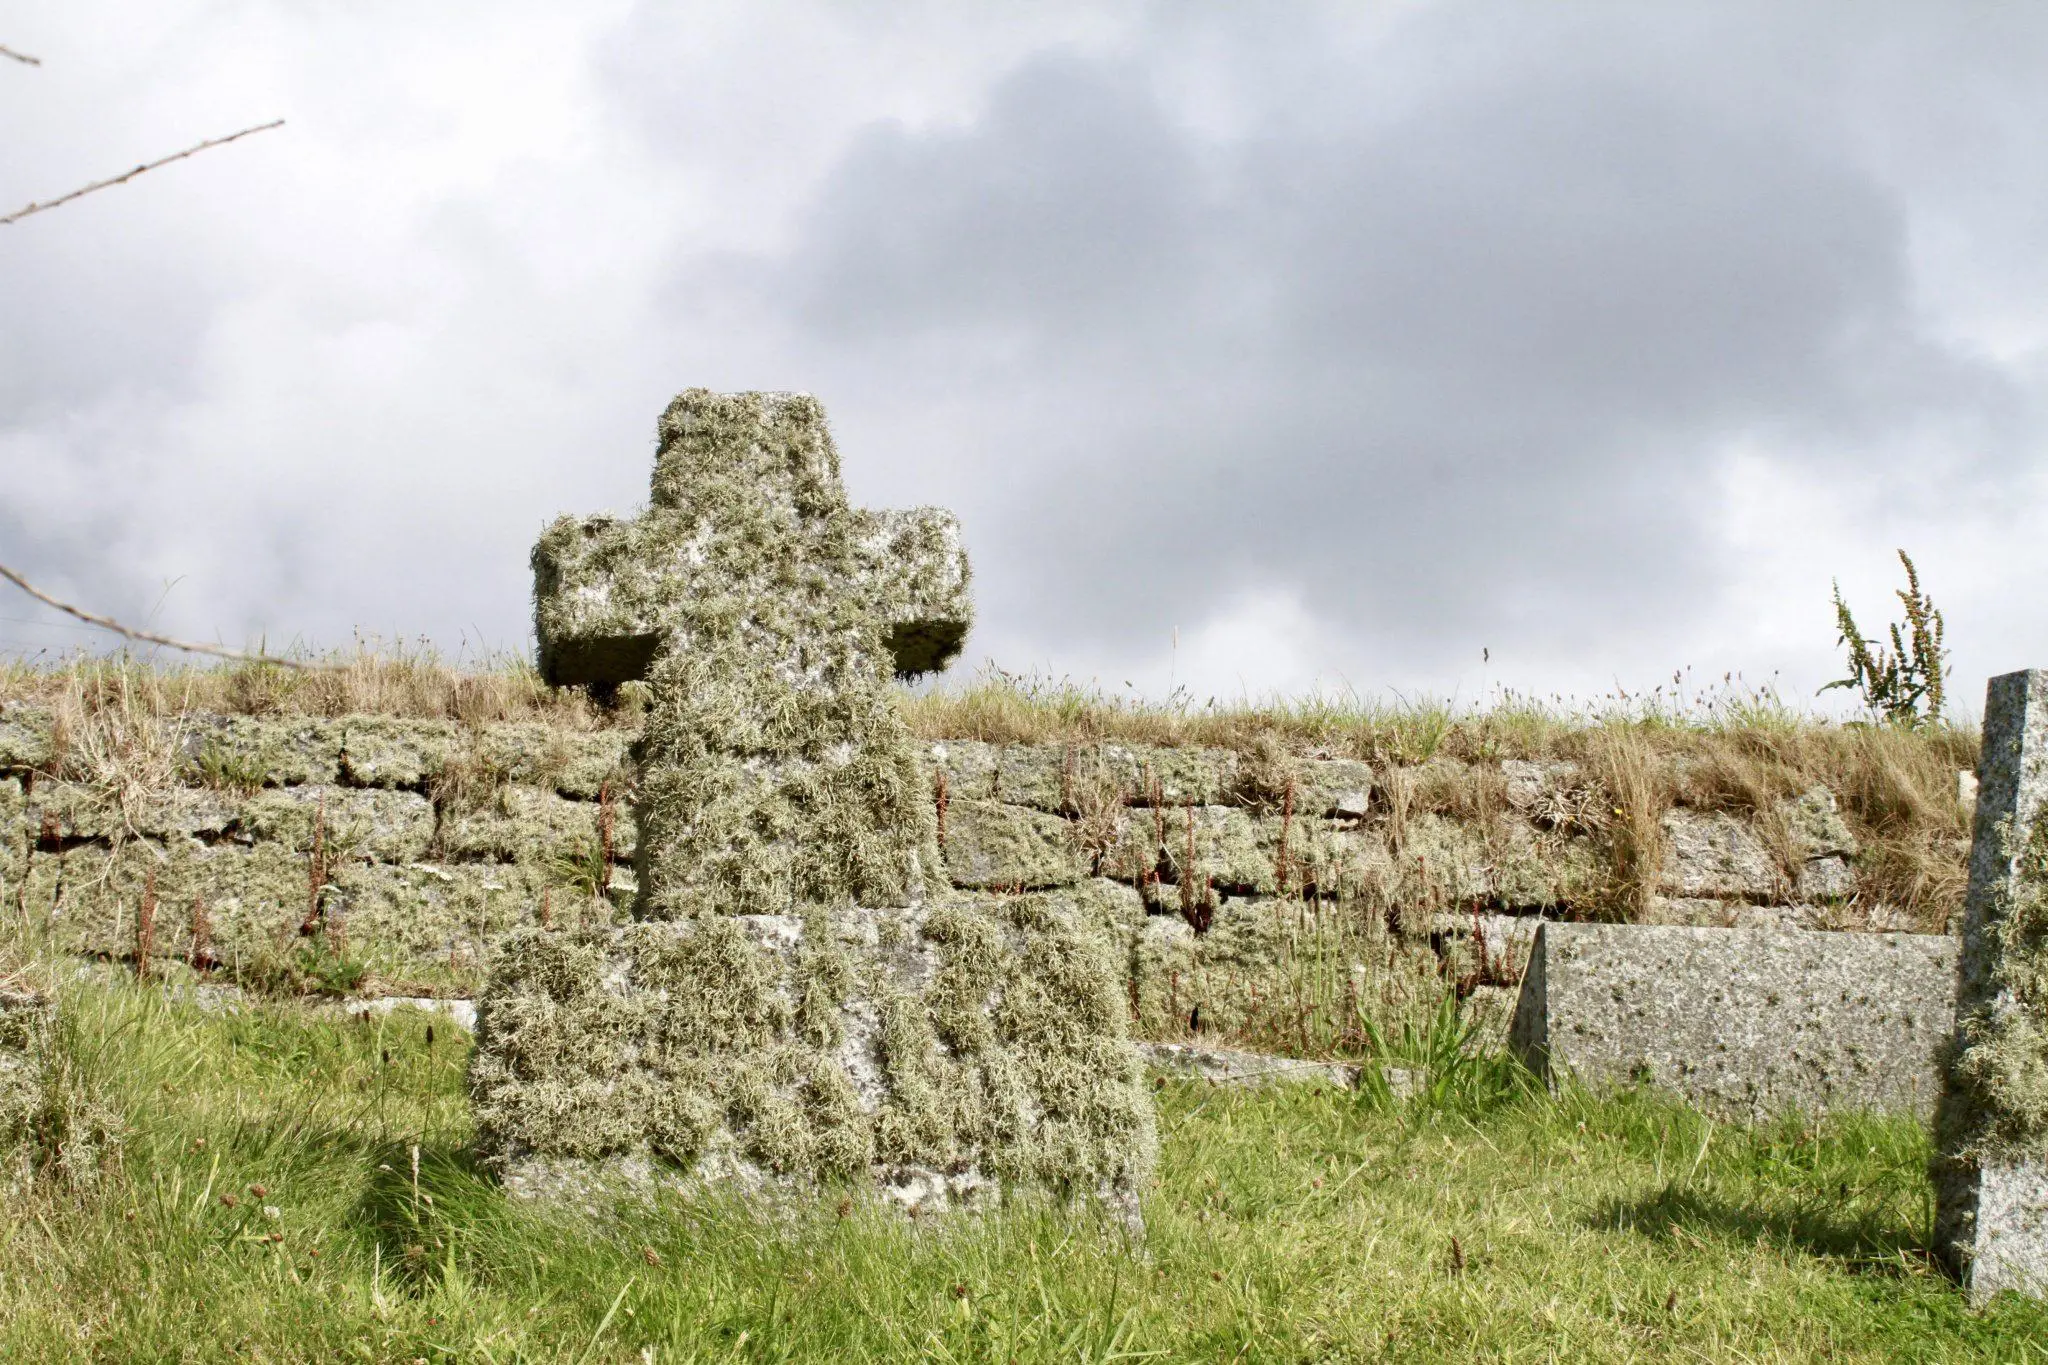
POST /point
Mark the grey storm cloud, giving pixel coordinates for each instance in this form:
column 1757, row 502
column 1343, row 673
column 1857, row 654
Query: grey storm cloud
column 1456, row 370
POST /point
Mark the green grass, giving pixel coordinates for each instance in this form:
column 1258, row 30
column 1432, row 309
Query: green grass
column 1289, row 1224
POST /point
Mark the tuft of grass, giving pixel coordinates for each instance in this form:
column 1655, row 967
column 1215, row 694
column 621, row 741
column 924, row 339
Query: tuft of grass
column 295, row 1187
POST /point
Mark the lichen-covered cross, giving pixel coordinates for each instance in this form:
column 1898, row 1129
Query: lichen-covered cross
column 765, row 615
column 804, row 1001
column 606, row 588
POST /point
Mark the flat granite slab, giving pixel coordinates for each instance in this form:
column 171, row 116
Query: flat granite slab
column 1741, row 1022
column 1230, row 1066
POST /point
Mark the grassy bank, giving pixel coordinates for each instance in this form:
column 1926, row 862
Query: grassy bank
column 293, row 1187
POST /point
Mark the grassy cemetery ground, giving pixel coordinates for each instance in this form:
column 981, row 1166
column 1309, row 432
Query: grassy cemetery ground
column 291, row 1185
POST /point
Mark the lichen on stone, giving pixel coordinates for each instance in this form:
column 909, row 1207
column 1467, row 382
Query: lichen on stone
column 984, row 1036
column 2000, row 1071
column 803, row 1000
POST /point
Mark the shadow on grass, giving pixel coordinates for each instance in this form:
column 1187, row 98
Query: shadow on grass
column 1873, row 1240
column 416, row 1201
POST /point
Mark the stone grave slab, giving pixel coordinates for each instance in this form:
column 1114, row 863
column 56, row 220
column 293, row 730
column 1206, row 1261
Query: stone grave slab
column 1740, row 1022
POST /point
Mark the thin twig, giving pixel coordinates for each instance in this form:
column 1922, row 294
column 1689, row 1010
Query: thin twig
column 149, row 637
column 22, row 213
column 22, row 57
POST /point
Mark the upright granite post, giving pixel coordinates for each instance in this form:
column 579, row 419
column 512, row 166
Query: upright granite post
column 1991, row 1128
column 803, row 1000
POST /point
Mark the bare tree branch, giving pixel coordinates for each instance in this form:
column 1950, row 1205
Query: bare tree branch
column 149, row 637
column 22, row 57
column 22, row 213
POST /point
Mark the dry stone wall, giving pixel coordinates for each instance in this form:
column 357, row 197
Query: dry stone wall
column 433, row 840
column 406, row 845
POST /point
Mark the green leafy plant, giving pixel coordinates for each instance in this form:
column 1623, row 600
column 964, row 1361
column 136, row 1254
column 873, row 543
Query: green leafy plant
column 1905, row 683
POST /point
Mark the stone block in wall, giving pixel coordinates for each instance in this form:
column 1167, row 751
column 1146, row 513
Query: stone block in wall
column 392, row 751
column 280, row 751
column 1508, row 939
column 531, row 825
column 1163, row 958
column 15, row 834
column 1554, row 794
column 1043, row 776
column 991, row 844
column 387, row 826
column 1335, row 788
column 1109, row 908
column 1825, row 879
column 1822, row 843
column 400, row 919
column 86, row 900
column 968, row 766
column 1055, row 778
column 1234, row 974
column 1173, row 776
column 1533, row 868
column 24, row 735
column 1323, row 856
column 1052, row 777
column 1531, row 783
column 1442, row 861
column 1153, row 842
column 1717, row 855
column 1741, row 1022
column 571, row 763
column 77, row 811
column 1814, row 822
column 396, row 919
column 1116, row 908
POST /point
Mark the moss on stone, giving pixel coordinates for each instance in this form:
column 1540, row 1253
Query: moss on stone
column 404, row 922
column 983, row 1038
column 524, row 824
column 389, row 826
column 394, row 751
column 1152, row 847
column 25, row 732
column 2000, row 1073
column 996, row 846
column 576, row 764
column 289, row 751
column 78, row 811
column 777, row 771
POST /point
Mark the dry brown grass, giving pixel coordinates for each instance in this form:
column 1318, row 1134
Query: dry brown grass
column 365, row 681
column 1637, row 782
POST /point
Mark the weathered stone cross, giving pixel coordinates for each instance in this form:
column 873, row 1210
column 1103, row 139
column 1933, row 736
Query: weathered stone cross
column 1991, row 1127
column 606, row 587
column 802, row 997
column 761, row 607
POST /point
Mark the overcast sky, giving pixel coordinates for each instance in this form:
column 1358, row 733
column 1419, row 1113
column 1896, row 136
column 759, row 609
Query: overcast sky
column 1342, row 343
